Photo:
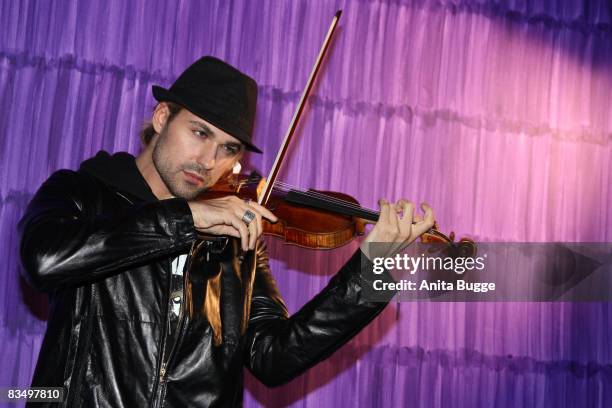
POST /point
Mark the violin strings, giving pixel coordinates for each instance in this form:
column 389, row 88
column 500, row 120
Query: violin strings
column 335, row 200
column 285, row 188
column 326, row 197
column 332, row 200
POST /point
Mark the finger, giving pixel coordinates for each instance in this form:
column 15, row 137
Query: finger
column 224, row 230
column 242, row 209
column 384, row 216
column 427, row 222
column 416, row 216
column 429, row 218
column 407, row 209
column 394, row 228
column 405, row 221
column 263, row 211
column 258, row 217
column 252, row 226
column 393, row 218
column 385, row 226
column 242, row 229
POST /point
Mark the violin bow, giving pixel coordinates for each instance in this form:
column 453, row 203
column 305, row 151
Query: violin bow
column 264, row 195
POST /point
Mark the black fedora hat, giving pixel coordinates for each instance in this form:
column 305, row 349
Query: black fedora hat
column 218, row 93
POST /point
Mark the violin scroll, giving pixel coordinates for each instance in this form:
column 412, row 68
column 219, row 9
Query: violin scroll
column 464, row 248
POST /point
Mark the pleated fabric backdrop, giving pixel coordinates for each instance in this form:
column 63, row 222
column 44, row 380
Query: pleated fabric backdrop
column 497, row 112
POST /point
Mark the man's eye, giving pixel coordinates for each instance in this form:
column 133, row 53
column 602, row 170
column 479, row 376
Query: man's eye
column 230, row 150
column 199, row 133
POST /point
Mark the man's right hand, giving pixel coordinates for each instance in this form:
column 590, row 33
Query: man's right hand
column 224, row 216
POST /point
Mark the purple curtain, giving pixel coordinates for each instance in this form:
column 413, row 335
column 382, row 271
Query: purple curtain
column 497, row 112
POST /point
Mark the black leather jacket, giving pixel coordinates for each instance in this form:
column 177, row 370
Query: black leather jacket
column 100, row 244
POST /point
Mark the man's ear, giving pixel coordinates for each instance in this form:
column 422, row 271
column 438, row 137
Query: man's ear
column 160, row 116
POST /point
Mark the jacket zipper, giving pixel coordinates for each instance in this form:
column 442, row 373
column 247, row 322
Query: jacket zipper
column 159, row 386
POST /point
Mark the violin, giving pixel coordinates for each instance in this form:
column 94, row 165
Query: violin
column 311, row 218
column 320, row 219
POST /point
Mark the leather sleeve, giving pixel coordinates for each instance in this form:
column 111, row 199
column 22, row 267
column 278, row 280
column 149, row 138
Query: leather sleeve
column 280, row 347
column 67, row 240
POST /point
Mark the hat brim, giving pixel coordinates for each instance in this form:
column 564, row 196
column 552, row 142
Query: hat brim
column 165, row 95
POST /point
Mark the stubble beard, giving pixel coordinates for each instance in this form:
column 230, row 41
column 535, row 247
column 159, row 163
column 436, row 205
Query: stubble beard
column 173, row 177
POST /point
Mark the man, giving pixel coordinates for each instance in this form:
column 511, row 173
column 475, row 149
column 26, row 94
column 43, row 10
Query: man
column 143, row 313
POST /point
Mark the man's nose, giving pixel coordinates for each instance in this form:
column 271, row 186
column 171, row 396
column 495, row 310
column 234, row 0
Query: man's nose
column 208, row 154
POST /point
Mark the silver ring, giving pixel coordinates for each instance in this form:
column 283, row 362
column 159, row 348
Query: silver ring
column 248, row 217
